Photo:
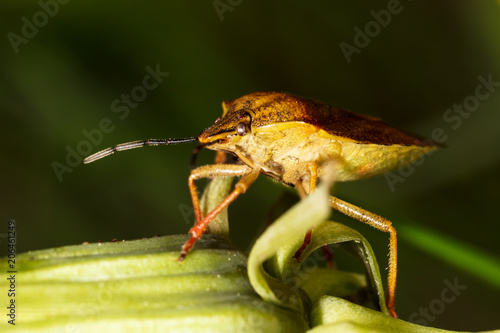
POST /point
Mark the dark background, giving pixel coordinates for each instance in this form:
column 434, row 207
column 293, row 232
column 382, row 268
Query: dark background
column 63, row 77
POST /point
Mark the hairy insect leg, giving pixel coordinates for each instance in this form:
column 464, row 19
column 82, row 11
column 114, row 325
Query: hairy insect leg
column 214, row 171
column 382, row 224
column 312, row 167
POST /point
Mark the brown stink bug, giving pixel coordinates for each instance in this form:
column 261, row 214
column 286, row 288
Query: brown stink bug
column 291, row 139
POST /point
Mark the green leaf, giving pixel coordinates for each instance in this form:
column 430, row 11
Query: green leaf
column 332, row 314
column 292, row 225
column 352, row 242
column 132, row 285
column 453, row 251
column 282, row 278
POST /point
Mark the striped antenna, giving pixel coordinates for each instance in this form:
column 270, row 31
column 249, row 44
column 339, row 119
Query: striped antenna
column 135, row 144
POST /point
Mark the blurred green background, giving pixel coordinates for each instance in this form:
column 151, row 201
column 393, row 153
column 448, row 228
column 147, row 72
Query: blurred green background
column 64, row 65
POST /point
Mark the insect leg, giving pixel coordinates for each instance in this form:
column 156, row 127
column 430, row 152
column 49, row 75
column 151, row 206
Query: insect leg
column 220, row 158
column 214, row 171
column 382, row 224
column 312, row 167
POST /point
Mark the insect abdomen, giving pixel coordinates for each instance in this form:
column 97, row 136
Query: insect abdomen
column 365, row 160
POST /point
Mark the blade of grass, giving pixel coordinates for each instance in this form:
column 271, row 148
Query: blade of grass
column 453, row 251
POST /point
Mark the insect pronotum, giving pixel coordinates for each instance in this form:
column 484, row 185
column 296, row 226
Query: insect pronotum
column 290, row 138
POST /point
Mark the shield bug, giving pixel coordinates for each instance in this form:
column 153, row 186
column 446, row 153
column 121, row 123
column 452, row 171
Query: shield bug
column 291, row 139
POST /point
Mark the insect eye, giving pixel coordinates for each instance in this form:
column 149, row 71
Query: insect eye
column 241, row 129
